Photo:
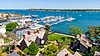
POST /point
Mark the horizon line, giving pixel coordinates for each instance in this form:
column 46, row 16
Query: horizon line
column 49, row 8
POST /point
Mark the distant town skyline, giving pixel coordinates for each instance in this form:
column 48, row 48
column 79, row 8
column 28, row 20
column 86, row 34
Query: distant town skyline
column 53, row 4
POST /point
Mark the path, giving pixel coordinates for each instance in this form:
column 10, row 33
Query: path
column 65, row 35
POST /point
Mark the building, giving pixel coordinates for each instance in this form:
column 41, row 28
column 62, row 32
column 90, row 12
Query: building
column 1, row 42
column 2, row 30
column 4, row 15
column 39, row 37
column 97, row 53
column 81, row 44
column 65, row 52
column 13, row 54
column 23, row 29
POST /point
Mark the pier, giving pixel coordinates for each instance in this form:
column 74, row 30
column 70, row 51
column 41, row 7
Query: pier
column 58, row 22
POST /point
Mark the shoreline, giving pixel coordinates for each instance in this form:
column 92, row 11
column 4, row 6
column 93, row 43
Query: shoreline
column 62, row 34
column 44, row 9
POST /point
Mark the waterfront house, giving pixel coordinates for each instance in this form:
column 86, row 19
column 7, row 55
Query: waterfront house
column 13, row 54
column 81, row 44
column 2, row 30
column 97, row 53
column 65, row 52
column 39, row 37
column 1, row 42
column 20, row 30
column 5, row 15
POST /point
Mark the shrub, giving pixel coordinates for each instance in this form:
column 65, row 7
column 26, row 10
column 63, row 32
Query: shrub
column 33, row 48
column 19, row 52
column 11, row 26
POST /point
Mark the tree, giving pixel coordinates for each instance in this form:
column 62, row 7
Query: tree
column 11, row 35
column 50, row 50
column 97, row 41
column 19, row 52
column 75, row 30
column 33, row 48
column 94, row 31
column 11, row 26
column 0, row 51
column 94, row 48
column 47, row 28
column 26, row 51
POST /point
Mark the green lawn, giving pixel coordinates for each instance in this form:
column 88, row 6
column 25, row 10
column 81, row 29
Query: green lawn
column 65, row 40
column 59, row 38
column 6, row 40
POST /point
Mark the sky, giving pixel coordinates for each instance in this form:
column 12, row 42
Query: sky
column 26, row 4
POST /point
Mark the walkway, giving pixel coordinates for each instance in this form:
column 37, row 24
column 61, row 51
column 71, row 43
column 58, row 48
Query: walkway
column 65, row 35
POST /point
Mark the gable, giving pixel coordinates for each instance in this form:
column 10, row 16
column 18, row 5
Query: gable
column 23, row 44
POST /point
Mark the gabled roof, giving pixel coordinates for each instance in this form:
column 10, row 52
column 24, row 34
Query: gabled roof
column 84, row 40
column 97, row 53
column 64, row 52
column 32, row 37
column 41, row 34
column 76, row 54
column 13, row 54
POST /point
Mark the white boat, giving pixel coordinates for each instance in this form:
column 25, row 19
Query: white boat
column 53, row 20
column 34, row 16
column 70, row 19
column 30, row 16
column 48, row 17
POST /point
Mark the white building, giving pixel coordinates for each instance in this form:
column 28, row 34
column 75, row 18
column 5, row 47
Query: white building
column 2, row 29
column 65, row 52
column 97, row 53
column 1, row 42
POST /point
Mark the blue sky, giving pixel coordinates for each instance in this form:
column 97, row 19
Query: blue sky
column 49, row 4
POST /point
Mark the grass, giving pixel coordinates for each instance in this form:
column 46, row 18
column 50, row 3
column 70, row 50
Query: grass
column 65, row 46
column 6, row 40
column 59, row 38
column 65, row 40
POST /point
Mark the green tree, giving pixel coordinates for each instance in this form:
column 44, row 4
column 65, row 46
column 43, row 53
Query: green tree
column 94, row 48
column 0, row 51
column 19, row 52
column 26, row 51
column 33, row 48
column 50, row 50
column 11, row 26
column 47, row 28
column 94, row 31
column 75, row 30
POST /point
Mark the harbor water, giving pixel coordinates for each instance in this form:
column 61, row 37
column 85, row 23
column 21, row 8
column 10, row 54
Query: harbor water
column 82, row 19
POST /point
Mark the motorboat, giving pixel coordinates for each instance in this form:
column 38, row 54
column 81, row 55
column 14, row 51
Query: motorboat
column 30, row 16
column 70, row 19
column 53, row 20
column 34, row 16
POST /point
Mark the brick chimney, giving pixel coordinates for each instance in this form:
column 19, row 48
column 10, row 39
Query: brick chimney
column 38, row 31
column 29, row 33
column 24, row 36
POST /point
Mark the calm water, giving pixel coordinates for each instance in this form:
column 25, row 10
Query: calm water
column 83, row 19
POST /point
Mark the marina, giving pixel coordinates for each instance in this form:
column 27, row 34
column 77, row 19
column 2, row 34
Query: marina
column 49, row 28
column 60, row 18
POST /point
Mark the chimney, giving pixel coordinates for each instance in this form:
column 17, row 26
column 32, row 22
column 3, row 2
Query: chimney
column 24, row 36
column 66, row 54
column 29, row 33
column 38, row 31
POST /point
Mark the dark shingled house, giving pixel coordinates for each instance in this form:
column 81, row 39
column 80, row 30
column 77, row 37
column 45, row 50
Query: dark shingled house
column 13, row 54
column 81, row 44
column 39, row 37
